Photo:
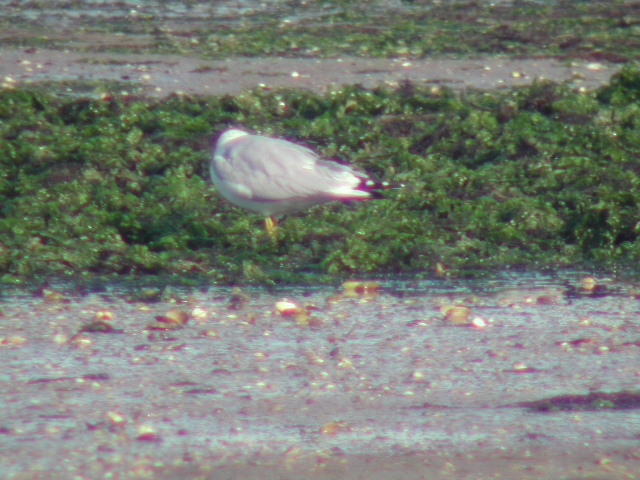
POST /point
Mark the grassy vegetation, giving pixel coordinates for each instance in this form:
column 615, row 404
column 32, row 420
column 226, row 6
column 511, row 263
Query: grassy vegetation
column 595, row 30
column 540, row 176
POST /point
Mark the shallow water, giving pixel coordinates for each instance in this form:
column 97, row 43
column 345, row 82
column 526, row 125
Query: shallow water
column 383, row 372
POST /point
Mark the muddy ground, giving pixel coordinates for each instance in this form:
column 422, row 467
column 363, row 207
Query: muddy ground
column 160, row 75
column 383, row 384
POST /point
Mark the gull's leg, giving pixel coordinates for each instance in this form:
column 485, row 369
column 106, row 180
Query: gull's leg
column 270, row 223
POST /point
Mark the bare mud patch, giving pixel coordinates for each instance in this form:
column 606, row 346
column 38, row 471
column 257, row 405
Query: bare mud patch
column 161, row 75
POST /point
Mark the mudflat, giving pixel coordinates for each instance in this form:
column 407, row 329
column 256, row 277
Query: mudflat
column 402, row 380
column 161, row 75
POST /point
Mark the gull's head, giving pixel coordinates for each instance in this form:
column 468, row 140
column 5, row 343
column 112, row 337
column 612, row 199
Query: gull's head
column 230, row 135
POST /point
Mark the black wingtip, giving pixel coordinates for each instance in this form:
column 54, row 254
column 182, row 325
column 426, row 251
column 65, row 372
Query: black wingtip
column 368, row 184
column 374, row 187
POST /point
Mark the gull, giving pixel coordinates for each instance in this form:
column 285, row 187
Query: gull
column 275, row 177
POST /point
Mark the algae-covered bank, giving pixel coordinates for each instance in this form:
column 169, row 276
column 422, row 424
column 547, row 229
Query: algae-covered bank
column 596, row 30
column 537, row 176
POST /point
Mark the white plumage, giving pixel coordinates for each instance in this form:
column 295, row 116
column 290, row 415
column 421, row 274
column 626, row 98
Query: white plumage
column 275, row 177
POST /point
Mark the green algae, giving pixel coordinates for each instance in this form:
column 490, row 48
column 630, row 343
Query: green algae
column 600, row 30
column 536, row 177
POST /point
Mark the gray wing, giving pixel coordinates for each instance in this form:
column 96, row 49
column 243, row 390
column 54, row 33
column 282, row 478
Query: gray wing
column 269, row 169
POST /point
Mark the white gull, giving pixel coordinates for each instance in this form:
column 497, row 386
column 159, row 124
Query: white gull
column 275, row 177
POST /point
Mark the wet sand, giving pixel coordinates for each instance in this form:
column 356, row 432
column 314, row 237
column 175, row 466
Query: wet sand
column 382, row 385
column 160, row 75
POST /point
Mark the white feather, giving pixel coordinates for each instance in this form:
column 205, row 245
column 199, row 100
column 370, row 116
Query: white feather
column 275, row 177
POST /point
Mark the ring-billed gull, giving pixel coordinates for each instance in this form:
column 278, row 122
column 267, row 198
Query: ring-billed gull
column 275, row 177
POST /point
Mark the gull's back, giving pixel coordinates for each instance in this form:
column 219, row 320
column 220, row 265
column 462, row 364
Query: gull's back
column 274, row 176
